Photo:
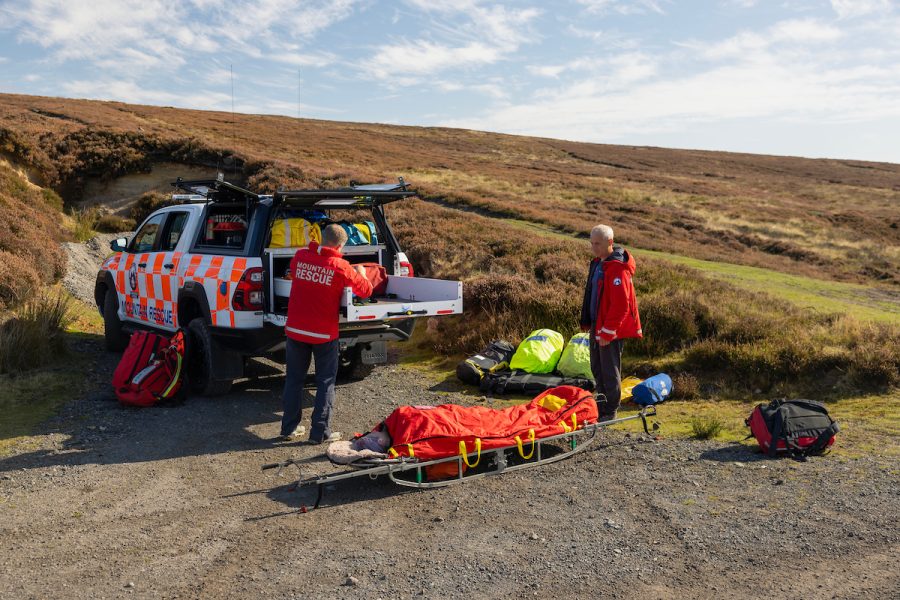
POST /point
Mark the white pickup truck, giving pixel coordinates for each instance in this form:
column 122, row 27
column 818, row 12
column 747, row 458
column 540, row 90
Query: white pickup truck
column 208, row 263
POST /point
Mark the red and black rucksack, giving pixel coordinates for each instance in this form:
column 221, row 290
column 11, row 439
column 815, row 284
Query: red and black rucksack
column 800, row 428
column 151, row 369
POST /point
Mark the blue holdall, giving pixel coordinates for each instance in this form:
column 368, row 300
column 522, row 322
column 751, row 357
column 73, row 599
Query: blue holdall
column 652, row 390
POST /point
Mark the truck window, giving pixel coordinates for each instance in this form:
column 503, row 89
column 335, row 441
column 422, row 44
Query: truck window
column 225, row 227
column 174, row 228
column 145, row 239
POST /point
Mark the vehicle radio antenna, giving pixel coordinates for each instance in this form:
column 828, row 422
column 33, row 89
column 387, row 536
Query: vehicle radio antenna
column 299, row 112
column 233, row 135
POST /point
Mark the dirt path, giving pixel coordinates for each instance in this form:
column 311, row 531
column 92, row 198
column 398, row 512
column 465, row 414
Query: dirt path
column 170, row 502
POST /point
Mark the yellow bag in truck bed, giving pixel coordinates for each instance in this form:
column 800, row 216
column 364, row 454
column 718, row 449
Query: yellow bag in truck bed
column 294, row 233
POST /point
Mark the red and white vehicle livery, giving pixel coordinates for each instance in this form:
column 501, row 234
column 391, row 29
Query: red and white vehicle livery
column 207, row 264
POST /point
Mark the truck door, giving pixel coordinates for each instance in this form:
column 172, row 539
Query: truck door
column 134, row 271
column 162, row 274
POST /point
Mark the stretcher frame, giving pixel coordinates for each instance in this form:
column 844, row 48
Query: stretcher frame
column 578, row 439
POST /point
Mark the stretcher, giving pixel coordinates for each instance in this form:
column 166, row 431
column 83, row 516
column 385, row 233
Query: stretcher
column 474, row 459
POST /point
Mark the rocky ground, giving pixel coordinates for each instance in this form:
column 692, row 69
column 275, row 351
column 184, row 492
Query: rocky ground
column 84, row 262
column 170, row 502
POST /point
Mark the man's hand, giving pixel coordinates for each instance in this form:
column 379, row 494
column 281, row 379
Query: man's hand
column 360, row 269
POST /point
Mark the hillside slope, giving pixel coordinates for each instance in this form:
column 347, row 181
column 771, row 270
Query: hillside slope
column 503, row 214
column 835, row 219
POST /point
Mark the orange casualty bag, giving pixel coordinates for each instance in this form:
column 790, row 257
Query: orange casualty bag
column 432, row 432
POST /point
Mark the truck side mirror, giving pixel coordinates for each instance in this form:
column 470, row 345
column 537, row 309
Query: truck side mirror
column 118, row 244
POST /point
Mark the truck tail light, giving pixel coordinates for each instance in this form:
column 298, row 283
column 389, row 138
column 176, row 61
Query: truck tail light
column 249, row 292
column 406, row 270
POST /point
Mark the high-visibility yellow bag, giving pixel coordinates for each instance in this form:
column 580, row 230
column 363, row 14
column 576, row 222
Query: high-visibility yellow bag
column 539, row 352
column 576, row 357
column 294, row 233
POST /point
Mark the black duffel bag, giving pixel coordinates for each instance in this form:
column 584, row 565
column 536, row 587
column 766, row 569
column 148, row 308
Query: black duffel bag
column 520, row 382
column 495, row 357
column 800, row 428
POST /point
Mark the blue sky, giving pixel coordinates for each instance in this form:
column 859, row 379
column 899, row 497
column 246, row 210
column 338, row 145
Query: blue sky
column 816, row 78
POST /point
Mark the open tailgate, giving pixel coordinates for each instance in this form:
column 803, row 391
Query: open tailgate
column 405, row 297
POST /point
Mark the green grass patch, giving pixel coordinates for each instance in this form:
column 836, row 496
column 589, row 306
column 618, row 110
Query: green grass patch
column 706, row 428
column 870, row 425
column 29, row 398
column 862, row 301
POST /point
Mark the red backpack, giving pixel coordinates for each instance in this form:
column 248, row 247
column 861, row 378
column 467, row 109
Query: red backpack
column 150, row 370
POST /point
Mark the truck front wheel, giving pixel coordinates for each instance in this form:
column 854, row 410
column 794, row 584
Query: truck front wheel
column 201, row 349
column 115, row 338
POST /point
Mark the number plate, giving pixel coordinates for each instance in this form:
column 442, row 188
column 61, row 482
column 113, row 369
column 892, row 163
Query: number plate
column 376, row 354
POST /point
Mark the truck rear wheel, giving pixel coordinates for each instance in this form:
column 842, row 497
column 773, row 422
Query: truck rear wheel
column 201, row 349
column 350, row 365
column 114, row 336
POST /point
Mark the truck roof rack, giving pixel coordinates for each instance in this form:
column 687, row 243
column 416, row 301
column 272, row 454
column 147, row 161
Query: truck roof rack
column 353, row 196
column 215, row 190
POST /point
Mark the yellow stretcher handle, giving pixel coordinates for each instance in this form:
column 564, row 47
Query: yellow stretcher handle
column 519, row 444
column 395, row 454
column 574, row 426
column 465, row 455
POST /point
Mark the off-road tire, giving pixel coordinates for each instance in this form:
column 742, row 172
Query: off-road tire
column 201, row 370
column 114, row 336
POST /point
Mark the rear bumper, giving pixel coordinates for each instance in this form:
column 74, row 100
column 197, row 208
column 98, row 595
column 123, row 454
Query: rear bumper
column 270, row 338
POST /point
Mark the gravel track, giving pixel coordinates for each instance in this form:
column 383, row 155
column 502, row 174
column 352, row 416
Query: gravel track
column 170, row 502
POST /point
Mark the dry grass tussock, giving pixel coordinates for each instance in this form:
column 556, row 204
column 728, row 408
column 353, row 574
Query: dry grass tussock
column 34, row 335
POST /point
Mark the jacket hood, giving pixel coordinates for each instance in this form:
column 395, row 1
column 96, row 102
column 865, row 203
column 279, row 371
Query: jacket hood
column 620, row 259
column 324, row 250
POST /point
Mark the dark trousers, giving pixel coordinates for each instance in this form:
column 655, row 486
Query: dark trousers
column 606, row 365
column 298, row 358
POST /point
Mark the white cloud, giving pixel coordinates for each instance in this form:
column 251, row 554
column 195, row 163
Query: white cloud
column 486, row 36
column 129, row 91
column 623, row 7
column 101, row 29
column 139, row 35
column 800, row 71
column 277, row 23
column 858, row 8
column 793, row 31
column 612, row 72
column 495, row 90
column 420, row 58
column 297, row 59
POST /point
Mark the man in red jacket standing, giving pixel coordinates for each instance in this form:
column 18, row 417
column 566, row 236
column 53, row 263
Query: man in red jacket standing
column 320, row 275
column 610, row 312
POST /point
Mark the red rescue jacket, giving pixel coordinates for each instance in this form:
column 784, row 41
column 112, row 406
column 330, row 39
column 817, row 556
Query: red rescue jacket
column 320, row 275
column 617, row 315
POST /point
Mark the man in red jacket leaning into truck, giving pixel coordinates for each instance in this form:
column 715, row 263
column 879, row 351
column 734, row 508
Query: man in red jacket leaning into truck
column 610, row 312
column 320, row 275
